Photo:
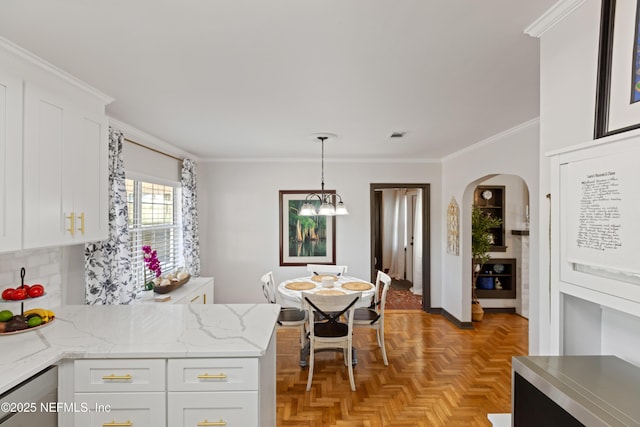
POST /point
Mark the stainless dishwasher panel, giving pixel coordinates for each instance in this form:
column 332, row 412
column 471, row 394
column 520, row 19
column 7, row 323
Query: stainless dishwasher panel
column 28, row 396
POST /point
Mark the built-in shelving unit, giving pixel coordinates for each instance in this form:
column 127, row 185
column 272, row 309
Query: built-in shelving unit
column 490, row 198
column 497, row 279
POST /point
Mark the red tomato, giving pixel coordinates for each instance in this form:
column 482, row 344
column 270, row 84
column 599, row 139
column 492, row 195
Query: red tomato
column 36, row 291
column 8, row 293
column 37, row 285
column 19, row 294
column 26, row 288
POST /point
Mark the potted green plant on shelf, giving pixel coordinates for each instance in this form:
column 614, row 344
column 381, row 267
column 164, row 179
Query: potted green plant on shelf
column 481, row 241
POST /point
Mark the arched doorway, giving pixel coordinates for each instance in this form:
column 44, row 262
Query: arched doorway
column 507, row 274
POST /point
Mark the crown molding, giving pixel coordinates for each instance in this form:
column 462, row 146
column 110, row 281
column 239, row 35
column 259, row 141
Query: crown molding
column 32, row 59
column 316, row 160
column 552, row 17
column 497, row 137
column 149, row 140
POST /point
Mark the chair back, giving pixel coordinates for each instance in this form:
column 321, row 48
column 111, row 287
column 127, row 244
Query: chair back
column 384, row 280
column 330, row 309
column 381, row 297
column 269, row 287
column 318, row 269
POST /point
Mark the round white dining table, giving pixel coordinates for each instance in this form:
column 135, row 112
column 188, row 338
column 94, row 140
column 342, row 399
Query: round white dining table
column 290, row 291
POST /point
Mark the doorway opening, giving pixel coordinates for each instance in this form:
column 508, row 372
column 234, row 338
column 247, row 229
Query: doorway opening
column 503, row 284
column 400, row 239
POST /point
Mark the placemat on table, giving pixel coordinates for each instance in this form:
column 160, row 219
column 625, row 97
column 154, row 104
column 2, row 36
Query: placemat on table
column 318, row 278
column 329, row 292
column 357, row 286
column 299, row 286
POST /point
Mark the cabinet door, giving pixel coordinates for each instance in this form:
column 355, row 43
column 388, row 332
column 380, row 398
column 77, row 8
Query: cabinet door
column 213, row 409
column 201, row 292
column 87, row 177
column 44, row 131
column 120, row 409
column 65, row 177
column 10, row 163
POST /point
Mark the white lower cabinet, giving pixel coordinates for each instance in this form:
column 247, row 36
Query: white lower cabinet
column 230, row 409
column 198, row 290
column 120, row 409
column 223, row 374
column 174, row 392
column 119, row 392
column 119, row 375
column 213, row 392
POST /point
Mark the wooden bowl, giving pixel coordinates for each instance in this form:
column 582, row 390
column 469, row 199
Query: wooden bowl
column 175, row 284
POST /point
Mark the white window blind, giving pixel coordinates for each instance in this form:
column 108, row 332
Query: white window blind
column 154, row 220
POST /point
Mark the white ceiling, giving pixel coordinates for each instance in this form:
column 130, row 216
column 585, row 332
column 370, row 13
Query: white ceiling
column 256, row 78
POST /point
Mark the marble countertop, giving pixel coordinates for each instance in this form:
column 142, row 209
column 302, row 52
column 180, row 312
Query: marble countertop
column 138, row 331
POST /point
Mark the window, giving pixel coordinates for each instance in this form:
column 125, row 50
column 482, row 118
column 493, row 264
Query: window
column 154, row 219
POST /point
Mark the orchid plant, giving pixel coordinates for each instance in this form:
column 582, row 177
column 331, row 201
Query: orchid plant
column 152, row 263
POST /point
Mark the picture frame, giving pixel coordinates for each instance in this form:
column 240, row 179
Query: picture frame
column 617, row 107
column 303, row 239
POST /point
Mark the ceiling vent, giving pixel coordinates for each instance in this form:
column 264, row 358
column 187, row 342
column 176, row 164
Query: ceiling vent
column 397, row 135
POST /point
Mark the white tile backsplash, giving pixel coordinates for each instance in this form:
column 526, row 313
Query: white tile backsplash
column 41, row 266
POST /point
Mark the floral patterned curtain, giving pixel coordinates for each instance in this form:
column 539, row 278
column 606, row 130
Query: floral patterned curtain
column 107, row 265
column 190, row 218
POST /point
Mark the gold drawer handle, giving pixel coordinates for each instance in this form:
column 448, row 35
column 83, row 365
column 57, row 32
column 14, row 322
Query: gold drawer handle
column 72, row 223
column 212, row 423
column 117, row 377
column 81, row 229
column 113, row 423
column 218, row 377
column 195, row 298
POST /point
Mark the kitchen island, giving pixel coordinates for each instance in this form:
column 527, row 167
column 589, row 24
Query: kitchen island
column 167, row 338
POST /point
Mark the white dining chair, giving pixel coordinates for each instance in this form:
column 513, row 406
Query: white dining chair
column 319, row 269
column 289, row 317
column 372, row 317
column 331, row 332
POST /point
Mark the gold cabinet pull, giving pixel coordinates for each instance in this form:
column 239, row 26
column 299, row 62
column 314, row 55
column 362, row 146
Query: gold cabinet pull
column 211, row 423
column 219, row 376
column 72, row 223
column 204, row 298
column 117, row 377
column 113, row 423
column 81, row 229
column 195, row 298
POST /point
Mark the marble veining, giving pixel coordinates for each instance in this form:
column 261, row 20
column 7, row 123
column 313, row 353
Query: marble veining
column 138, row 331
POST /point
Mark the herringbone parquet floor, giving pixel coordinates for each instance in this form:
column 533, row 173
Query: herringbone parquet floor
column 438, row 375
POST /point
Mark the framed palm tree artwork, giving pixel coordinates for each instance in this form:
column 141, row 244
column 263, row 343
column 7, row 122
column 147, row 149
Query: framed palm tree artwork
column 305, row 239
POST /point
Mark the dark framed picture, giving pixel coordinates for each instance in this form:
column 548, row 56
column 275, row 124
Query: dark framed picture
column 618, row 85
column 305, row 239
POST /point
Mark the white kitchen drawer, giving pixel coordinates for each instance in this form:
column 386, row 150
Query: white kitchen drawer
column 212, row 374
column 108, row 375
column 234, row 409
column 120, row 409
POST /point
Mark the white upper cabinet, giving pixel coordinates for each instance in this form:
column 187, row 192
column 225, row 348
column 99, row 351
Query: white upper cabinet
column 53, row 154
column 65, row 181
column 10, row 162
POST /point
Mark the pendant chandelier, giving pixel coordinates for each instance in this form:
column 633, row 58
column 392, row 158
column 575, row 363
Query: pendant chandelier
column 330, row 203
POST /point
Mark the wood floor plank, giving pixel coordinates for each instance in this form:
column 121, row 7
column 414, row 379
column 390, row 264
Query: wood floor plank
column 438, row 375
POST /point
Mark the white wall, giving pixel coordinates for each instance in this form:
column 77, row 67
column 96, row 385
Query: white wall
column 238, row 211
column 513, row 152
column 569, row 54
